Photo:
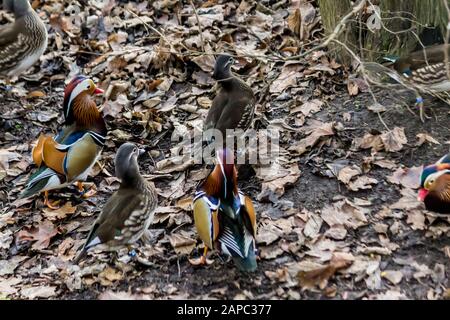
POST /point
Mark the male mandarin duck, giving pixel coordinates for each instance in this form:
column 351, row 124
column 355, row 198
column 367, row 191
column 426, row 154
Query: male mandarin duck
column 22, row 42
column 129, row 212
column 234, row 105
column 435, row 186
column 224, row 217
column 69, row 157
column 426, row 70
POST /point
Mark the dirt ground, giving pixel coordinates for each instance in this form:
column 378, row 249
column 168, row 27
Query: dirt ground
column 339, row 221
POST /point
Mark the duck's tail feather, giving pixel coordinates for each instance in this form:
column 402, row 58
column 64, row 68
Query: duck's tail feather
column 91, row 241
column 239, row 243
column 80, row 256
column 381, row 74
column 41, row 180
column 247, row 264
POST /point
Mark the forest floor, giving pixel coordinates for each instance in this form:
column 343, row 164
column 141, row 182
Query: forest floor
column 337, row 216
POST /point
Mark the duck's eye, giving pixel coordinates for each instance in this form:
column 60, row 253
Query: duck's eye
column 89, row 86
column 135, row 150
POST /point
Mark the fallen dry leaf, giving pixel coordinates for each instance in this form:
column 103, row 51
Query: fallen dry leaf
column 309, row 107
column 181, row 244
column 369, row 141
column 302, row 19
column 344, row 213
column 376, row 107
column 394, row 277
column 408, row 177
column 287, row 78
column 416, row 219
column 267, row 235
column 347, row 173
column 408, row 200
column 40, row 235
column 318, row 130
column 394, row 140
column 352, row 88
column 8, row 266
column 113, row 108
column 362, row 183
column 336, row 232
column 122, row 295
column 6, row 238
column 275, row 179
column 38, row 292
column 312, row 226
column 390, row 295
column 60, row 213
column 7, row 286
column 320, row 276
column 423, row 137
column 110, row 275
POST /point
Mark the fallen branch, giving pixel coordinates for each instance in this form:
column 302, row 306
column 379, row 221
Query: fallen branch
column 200, row 29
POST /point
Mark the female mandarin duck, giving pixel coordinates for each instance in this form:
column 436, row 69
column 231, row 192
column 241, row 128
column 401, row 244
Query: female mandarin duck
column 435, row 186
column 130, row 210
column 22, row 42
column 425, row 68
column 234, row 105
column 69, row 157
column 224, row 217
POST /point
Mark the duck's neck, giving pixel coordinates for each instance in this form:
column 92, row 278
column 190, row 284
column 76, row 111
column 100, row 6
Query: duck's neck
column 233, row 82
column 133, row 179
column 22, row 8
column 85, row 115
column 216, row 185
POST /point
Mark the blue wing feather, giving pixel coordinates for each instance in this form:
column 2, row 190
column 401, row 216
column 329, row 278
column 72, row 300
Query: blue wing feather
column 73, row 137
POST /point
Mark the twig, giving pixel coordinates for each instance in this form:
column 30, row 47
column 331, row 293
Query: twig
column 200, row 29
column 146, row 25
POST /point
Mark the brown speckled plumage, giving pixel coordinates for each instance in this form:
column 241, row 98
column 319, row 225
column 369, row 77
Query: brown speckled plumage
column 426, row 68
column 22, row 42
column 234, row 105
column 128, row 213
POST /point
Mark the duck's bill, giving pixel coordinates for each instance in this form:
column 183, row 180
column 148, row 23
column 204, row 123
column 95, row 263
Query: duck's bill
column 422, row 194
column 98, row 91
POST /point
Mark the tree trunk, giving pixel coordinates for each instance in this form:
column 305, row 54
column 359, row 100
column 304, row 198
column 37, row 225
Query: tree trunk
column 332, row 12
column 405, row 24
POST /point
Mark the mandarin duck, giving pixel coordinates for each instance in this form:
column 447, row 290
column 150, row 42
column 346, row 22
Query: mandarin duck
column 128, row 213
column 425, row 70
column 435, row 186
column 234, row 105
column 224, row 217
column 69, row 157
column 22, row 42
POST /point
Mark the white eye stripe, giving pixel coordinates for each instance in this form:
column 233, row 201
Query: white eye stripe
column 432, row 177
column 230, row 61
column 82, row 86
